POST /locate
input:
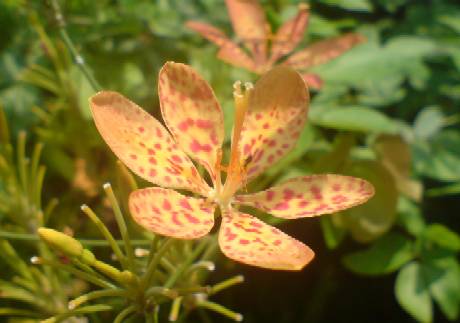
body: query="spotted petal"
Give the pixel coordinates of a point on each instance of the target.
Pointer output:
(171, 214)
(143, 144)
(192, 113)
(250, 25)
(323, 51)
(246, 239)
(276, 115)
(229, 52)
(290, 34)
(310, 196)
(313, 81)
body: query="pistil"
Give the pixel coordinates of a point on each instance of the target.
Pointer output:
(235, 169)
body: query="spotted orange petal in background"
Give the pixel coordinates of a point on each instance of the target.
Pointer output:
(323, 51)
(246, 239)
(169, 213)
(313, 80)
(275, 117)
(143, 144)
(250, 25)
(191, 112)
(290, 34)
(310, 196)
(229, 52)
(209, 32)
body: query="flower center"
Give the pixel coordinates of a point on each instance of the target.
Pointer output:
(236, 173)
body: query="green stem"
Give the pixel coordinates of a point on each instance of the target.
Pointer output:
(179, 271)
(121, 225)
(152, 266)
(124, 314)
(95, 295)
(79, 60)
(21, 159)
(80, 274)
(221, 309)
(107, 235)
(85, 242)
(175, 308)
(226, 284)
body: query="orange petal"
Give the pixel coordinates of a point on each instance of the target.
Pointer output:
(310, 196)
(313, 80)
(246, 239)
(143, 144)
(171, 214)
(250, 25)
(192, 113)
(290, 34)
(209, 32)
(323, 51)
(229, 52)
(232, 54)
(276, 115)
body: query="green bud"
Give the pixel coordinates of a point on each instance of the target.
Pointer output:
(62, 242)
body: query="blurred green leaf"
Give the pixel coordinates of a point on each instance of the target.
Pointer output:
(412, 292)
(359, 5)
(352, 119)
(443, 236)
(440, 157)
(410, 217)
(371, 220)
(386, 255)
(428, 122)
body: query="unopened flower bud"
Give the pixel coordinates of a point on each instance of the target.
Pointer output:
(62, 242)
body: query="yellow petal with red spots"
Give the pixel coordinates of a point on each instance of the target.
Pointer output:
(171, 214)
(246, 239)
(143, 144)
(310, 196)
(276, 115)
(192, 113)
(250, 25)
(323, 51)
(290, 34)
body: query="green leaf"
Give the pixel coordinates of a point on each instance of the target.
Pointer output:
(440, 157)
(412, 292)
(386, 255)
(371, 220)
(428, 122)
(352, 118)
(443, 236)
(333, 234)
(444, 277)
(410, 217)
(358, 5)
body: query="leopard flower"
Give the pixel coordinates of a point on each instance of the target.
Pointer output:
(265, 49)
(268, 120)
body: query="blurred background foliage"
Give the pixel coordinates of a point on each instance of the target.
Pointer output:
(389, 112)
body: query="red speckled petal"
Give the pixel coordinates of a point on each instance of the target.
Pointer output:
(171, 214)
(229, 52)
(313, 80)
(276, 115)
(323, 51)
(250, 25)
(290, 34)
(246, 239)
(143, 144)
(310, 196)
(192, 113)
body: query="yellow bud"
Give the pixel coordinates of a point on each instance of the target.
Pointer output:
(60, 241)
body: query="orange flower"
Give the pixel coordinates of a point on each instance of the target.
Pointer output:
(268, 120)
(264, 50)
